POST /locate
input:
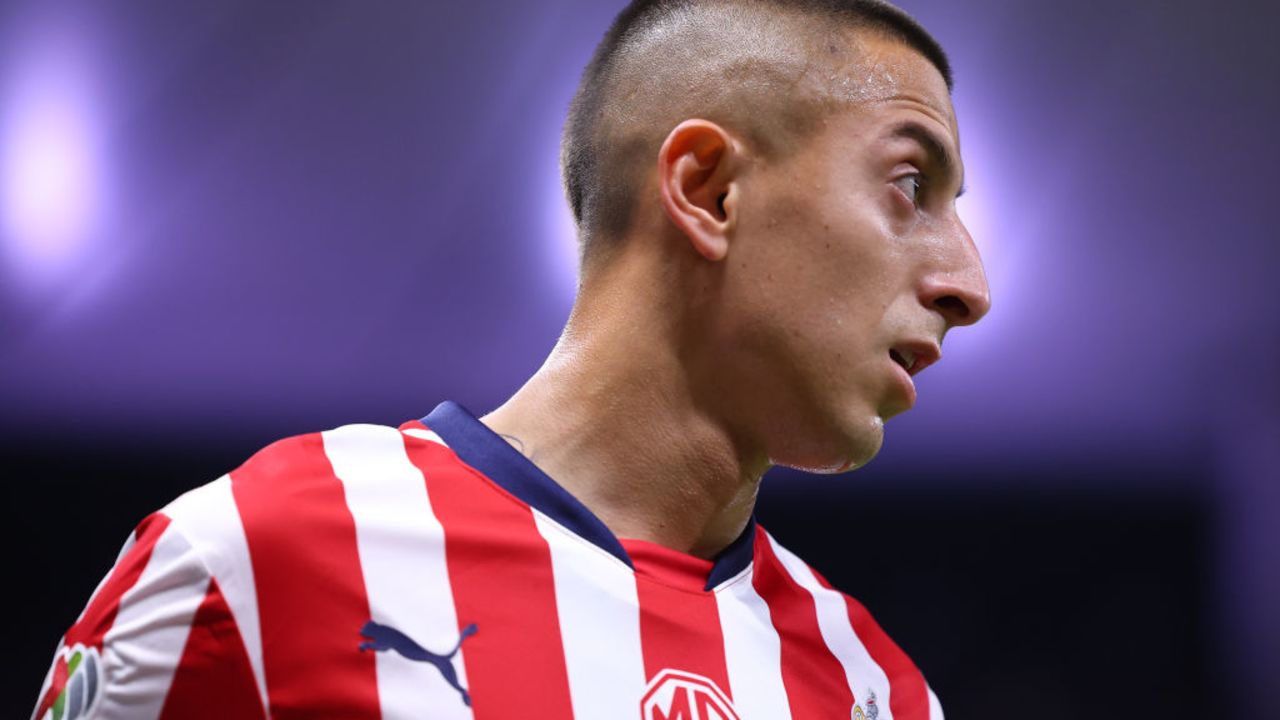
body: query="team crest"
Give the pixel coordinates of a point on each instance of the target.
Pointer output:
(75, 682)
(677, 695)
(872, 711)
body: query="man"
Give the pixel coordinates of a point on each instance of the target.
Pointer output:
(765, 195)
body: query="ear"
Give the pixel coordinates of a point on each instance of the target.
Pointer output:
(697, 174)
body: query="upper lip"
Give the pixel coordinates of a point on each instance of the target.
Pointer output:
(915, 355)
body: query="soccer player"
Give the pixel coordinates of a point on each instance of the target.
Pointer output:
(765, 196)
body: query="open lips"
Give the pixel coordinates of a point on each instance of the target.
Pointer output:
(914, 357)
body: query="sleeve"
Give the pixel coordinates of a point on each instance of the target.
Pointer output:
(155, 641)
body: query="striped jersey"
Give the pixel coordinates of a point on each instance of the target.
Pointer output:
(432, 571)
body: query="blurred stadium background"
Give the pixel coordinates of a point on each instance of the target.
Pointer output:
(222, 223)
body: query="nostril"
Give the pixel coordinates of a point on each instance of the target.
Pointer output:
(952, 306)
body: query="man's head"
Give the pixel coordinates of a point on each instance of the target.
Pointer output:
(768, 69)
(784, 174)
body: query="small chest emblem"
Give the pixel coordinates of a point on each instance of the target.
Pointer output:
(678, 695)
(871, 711)
(381, 638)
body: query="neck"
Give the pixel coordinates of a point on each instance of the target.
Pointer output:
(611, 417)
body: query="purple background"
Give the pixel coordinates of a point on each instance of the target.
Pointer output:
(225, 222)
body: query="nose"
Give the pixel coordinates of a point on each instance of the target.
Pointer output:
(957, 288)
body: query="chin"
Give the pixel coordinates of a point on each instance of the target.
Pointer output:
(843, 452)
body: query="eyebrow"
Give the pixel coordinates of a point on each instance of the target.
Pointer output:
(938, 152)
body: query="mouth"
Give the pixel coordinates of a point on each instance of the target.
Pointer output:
(914, 357)
(906, 389)
(904, 359)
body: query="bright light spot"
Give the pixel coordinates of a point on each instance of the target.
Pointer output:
(974, 207)
(976, 217)
(563, 241)
(51, 159)
(989, 210)
(560, 231)
(50, 193)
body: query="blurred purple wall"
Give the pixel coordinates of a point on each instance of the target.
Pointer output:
(241, 219)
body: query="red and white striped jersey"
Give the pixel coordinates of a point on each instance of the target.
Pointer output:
(432, 571)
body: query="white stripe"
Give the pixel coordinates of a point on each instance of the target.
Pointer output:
(935, 707)
(421, 434)
(210, 520)
(861, 672)
(599, 616)
(752, 652)
(142, 649)
(401, 547)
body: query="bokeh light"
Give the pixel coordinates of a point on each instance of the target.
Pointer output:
(53, 189)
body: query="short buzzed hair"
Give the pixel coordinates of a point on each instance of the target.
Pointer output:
(765, 68)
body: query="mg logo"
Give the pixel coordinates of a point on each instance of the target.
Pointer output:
(676, 695)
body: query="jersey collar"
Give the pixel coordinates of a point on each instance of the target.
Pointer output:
(486, 451)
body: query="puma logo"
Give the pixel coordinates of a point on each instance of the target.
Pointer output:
(383, 637)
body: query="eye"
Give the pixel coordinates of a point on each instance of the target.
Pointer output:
(911, 185)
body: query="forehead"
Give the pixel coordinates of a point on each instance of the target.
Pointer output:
(886, 76)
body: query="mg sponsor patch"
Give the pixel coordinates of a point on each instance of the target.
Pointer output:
(678, 695)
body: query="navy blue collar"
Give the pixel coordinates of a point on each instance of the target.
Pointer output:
(486, 451)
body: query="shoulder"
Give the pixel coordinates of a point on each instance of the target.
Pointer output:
(853, 635)
(298, 487)
(298, 471)
(162, 598)
(181, 614)
(800, 572)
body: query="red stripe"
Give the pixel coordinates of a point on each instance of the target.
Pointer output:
(214, 679)
(56, 685)
(679, 621)
(908, 695)
(311, 594)
(680, 630)
(814, 678)
(100, 614)
(500, 573)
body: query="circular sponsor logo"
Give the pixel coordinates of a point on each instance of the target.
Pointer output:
(74, 686)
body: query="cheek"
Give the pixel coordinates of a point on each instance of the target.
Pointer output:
(818, 266)
(853, 278)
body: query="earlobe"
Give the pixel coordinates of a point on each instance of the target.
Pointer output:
(697, 175)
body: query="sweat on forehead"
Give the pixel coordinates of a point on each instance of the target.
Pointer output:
(766, 70)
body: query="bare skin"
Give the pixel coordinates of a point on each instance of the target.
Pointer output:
(760, 312)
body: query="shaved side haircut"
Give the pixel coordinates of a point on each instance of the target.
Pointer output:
(768, 70)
